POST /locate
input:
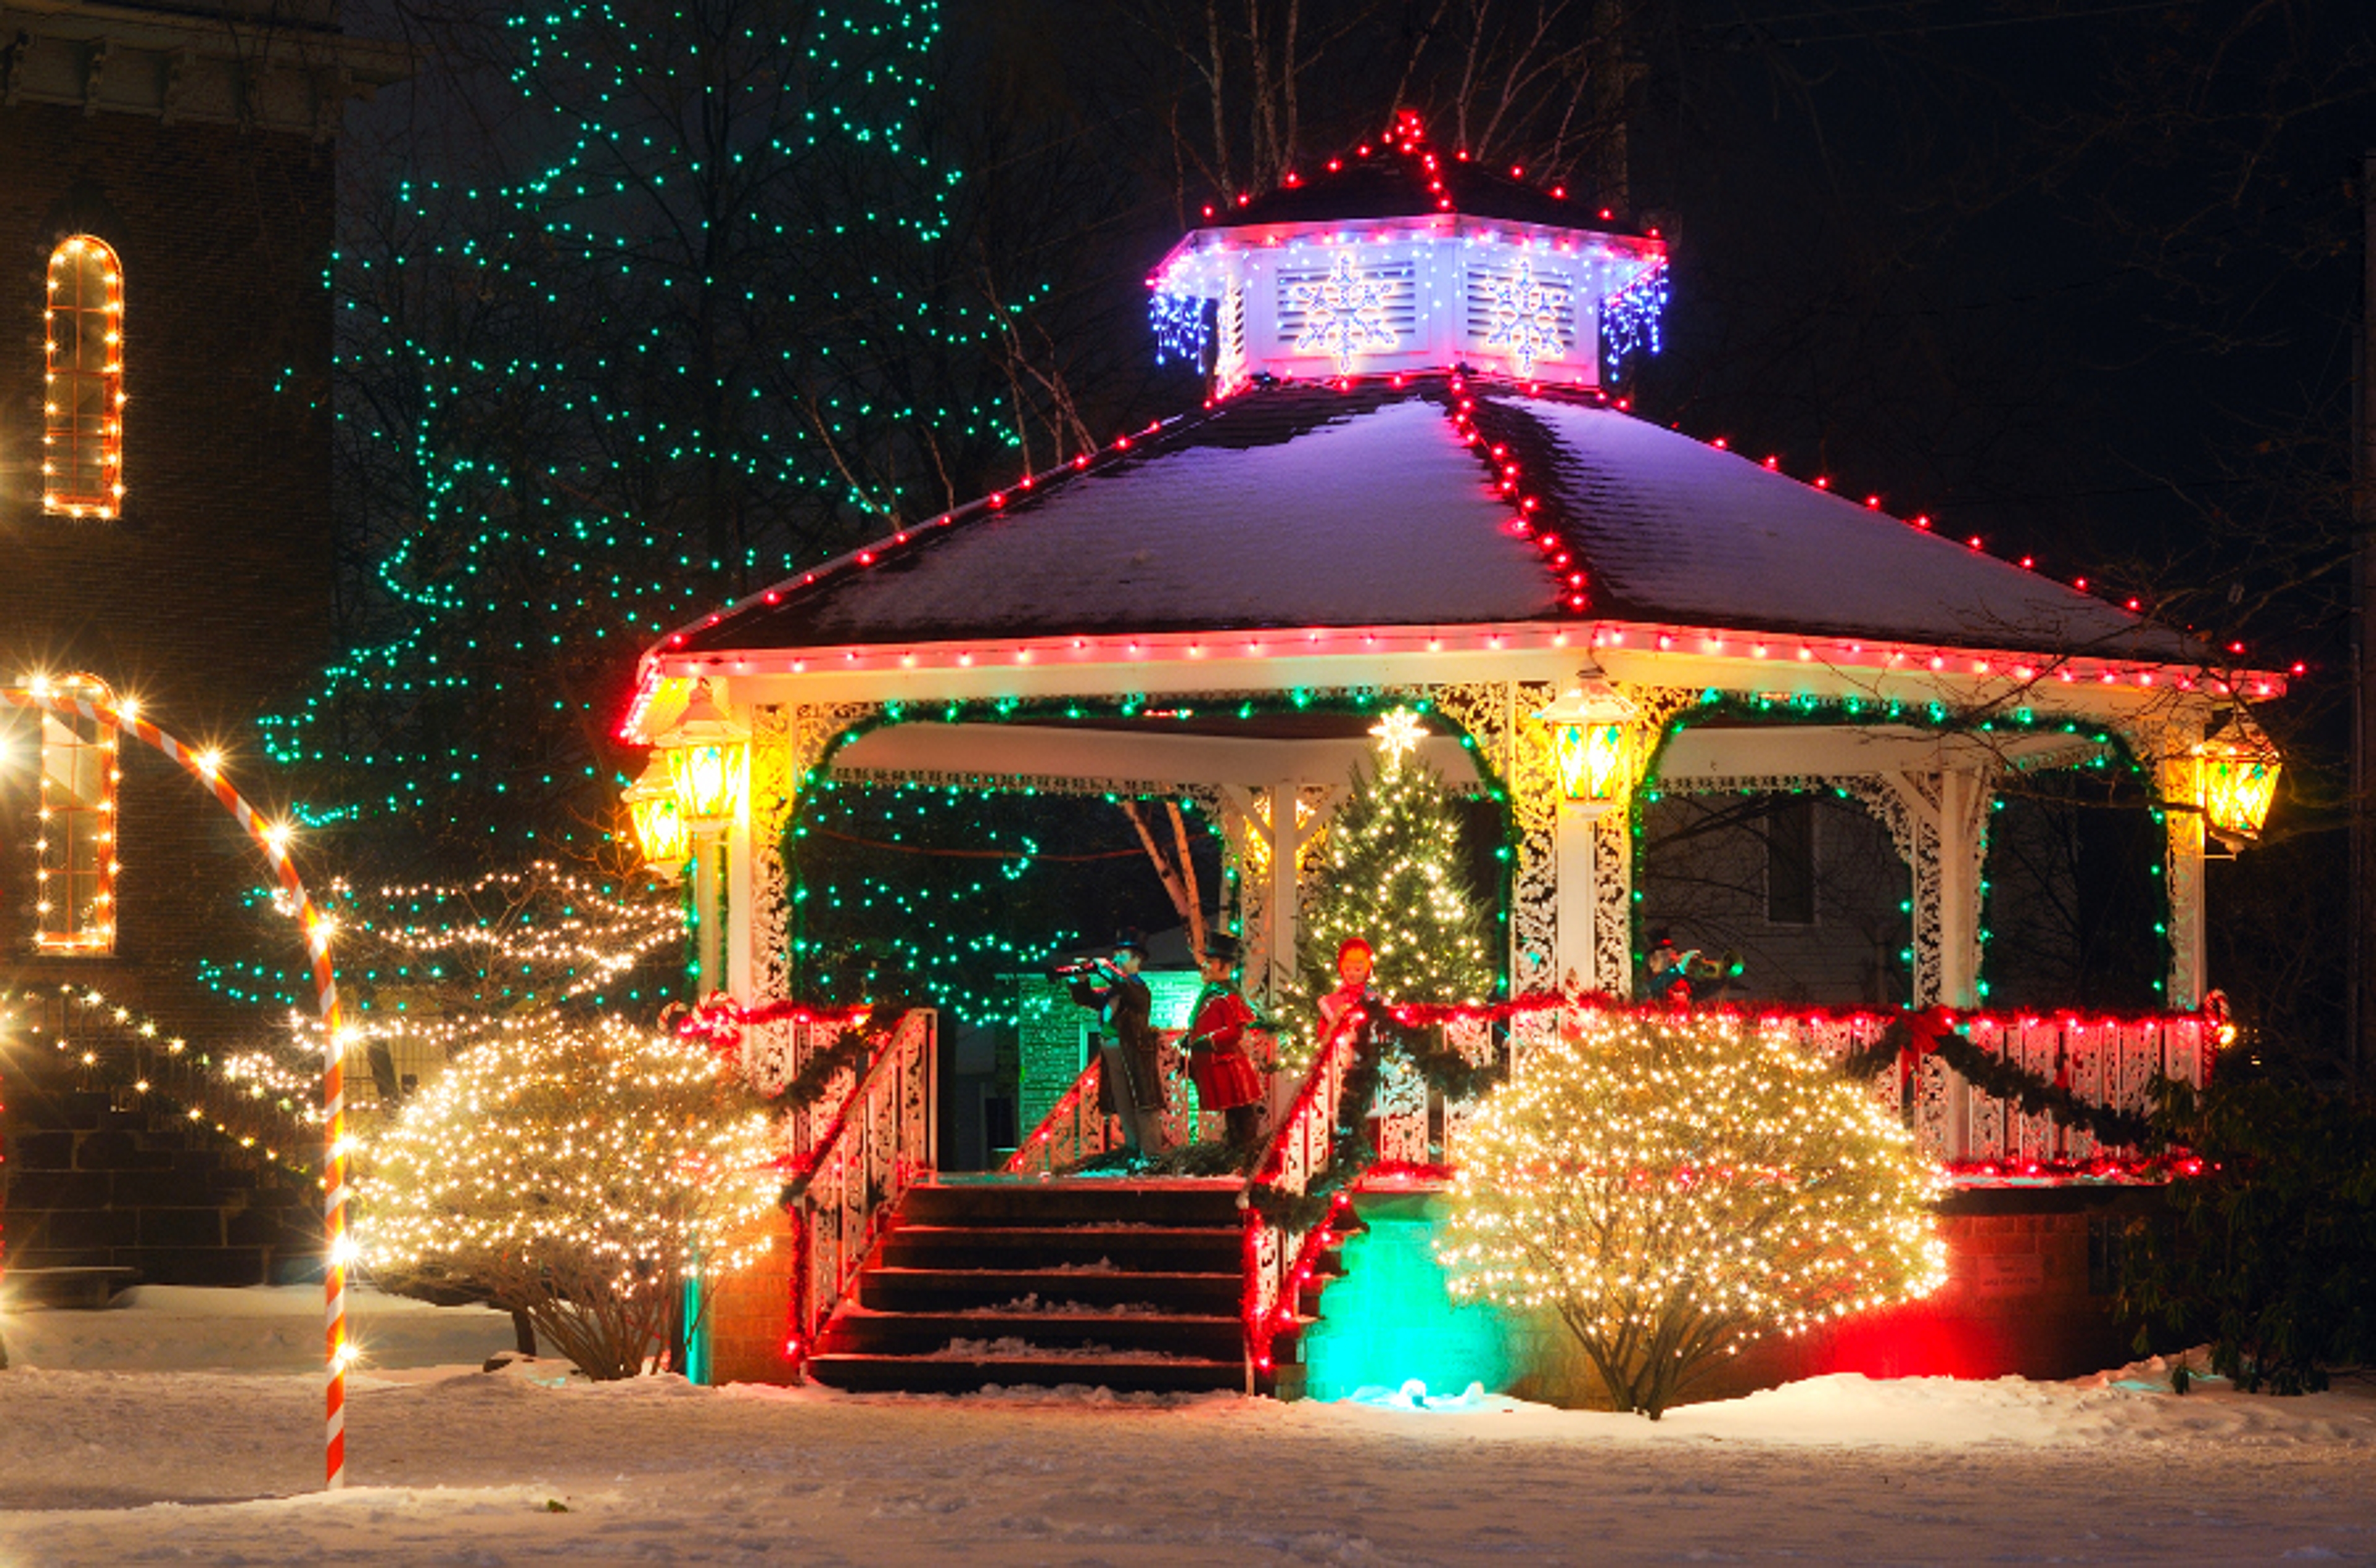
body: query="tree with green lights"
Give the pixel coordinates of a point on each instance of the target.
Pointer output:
(942, 897)
(699, 305)
(1390, 872)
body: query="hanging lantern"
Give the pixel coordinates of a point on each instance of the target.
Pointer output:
(1588, 724)
(2237, 773)
(708, 763)
(660, 831)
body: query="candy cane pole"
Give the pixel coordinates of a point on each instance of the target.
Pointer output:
(273, 840)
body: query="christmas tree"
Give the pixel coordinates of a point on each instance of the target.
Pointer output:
(686, 314)
(1674, 1187)
(1390, 872)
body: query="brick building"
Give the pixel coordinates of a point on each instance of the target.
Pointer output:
(166, 533)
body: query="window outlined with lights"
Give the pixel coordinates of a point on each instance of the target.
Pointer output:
(75, 896)
(83, 392)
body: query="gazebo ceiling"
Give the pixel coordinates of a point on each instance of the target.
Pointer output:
(1389, 504)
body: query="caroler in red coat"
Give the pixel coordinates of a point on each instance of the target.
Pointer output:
(1219, 1064)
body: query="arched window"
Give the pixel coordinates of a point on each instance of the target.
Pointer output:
(76, 901)
(82, 432)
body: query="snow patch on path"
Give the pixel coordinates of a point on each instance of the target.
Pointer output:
(264, 1328)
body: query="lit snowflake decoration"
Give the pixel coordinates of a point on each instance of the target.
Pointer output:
(1399, 733)
(1527, 317)
(1345, 314)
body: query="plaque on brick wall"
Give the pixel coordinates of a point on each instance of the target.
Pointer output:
(2017, 1274)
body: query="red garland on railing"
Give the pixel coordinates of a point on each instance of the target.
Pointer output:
(719, 1022)
(802, 1169)
(2212, 1012)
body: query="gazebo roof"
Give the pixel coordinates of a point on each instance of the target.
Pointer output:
(1437, 500)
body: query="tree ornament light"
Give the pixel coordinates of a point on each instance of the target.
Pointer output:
(1588, 741)
(1675, 1186)
(2237, 775)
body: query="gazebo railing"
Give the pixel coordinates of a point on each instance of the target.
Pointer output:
(880, 1141)
(2103, 1060)
(1076, 1128)
(1278, 1250)
(2111, 1062)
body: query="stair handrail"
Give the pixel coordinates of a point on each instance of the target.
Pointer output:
(1074, 1128)
(1278, 1255)
(1078, 1128)
(842, 1192)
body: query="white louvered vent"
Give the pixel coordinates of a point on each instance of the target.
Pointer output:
(1396, 314)
(1488, 295)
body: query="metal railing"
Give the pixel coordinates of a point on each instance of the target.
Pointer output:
(1076, 1128)
(2110, 1062)
(1278, 1253)
(860, 1158)
(267, 1117)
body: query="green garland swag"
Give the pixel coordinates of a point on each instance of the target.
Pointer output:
(846, 1054)
(2001, 1080)
(1350, 1153)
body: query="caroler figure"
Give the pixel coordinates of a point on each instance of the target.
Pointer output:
(1132, 1087)
(1353, 965)
(1218, 1063)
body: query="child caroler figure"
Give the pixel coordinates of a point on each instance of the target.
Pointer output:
(1352, 985)
(1219, 1064)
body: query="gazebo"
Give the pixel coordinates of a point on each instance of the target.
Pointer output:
(1415, 482)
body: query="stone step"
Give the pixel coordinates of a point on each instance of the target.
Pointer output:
(1198, 1249)
(1186, 1201)
(1212, 1336)
(919, 1374)
(954, 1290)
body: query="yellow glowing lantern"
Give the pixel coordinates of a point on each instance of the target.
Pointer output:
(1588, 741)
(660, 831)
(2236, 772)
(708, 763)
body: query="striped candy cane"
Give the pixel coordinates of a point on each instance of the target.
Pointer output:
(273, 840)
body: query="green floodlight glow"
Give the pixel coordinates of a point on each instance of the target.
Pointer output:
(1390, 1319)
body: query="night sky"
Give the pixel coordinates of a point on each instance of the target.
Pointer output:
(2079, 276)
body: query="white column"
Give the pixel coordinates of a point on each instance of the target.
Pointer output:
(2182, 876)
(1286, 846)
(709, 955)
(1963, 805)
(734, 919)
(1576, 959)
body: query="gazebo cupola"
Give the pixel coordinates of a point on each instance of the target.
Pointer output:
(1399, 258)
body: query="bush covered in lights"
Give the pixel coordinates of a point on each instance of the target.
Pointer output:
(1675, 1187)
(577, 1171)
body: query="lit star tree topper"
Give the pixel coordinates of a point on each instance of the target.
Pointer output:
(1392, 871)
(1345, 314)
(1399, 733)
(1527, 314)
(1674, 1186)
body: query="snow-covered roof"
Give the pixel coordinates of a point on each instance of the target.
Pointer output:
(1441, 500)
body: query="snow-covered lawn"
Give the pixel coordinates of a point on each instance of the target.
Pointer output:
(165, 1462)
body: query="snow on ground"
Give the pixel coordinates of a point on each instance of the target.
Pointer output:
(264, 1328)
(454, 1466)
